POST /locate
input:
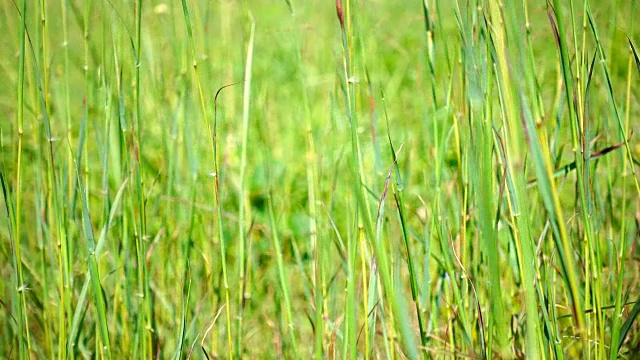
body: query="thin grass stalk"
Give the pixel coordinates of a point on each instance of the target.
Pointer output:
(349, 350)
(399, 199)
(312, 186)
(186, 293)
(321, 250)
(189, 245)
(616, 323)
(128, 216)
(43, 46)
(555, 337)
(582, 138)
(487, 209)
(47, 151)
(483, 174)
(365, 298)
(538, 145)
(519, 215)
(63, 252)
(458, 309)
(282, 275)
(368, 261)
(462, 151)
(581, 135)
(79, 306)
(141, 236)
(612, 101)
(55, 200)
(242, 197)
(98, 294)
(538, 104)
(376, 294)
(565, 247)
(107, 125)
(400, 205)
(83, 172)
(42, 238)
(487, 131)
(17, 294)
(430, 50)
(212, 131)
(397, 305)
(468, 251)
(24, 341)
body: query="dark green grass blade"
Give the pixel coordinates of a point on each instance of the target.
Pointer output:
(626, 327)
(635, 55)
(186, 295)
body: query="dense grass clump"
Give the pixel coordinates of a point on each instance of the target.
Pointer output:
(317, 179)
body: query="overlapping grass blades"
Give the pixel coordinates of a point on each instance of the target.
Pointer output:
(238, 179)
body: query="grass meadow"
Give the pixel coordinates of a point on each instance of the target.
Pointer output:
(352, 179)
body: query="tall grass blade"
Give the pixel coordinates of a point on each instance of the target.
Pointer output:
(98, 293)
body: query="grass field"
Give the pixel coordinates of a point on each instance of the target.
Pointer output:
(356, 179)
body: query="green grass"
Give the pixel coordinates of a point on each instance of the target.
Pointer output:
(310, 179)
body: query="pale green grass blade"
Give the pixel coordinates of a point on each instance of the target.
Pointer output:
(242, 225)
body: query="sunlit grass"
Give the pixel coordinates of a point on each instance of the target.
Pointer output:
(312, 179)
